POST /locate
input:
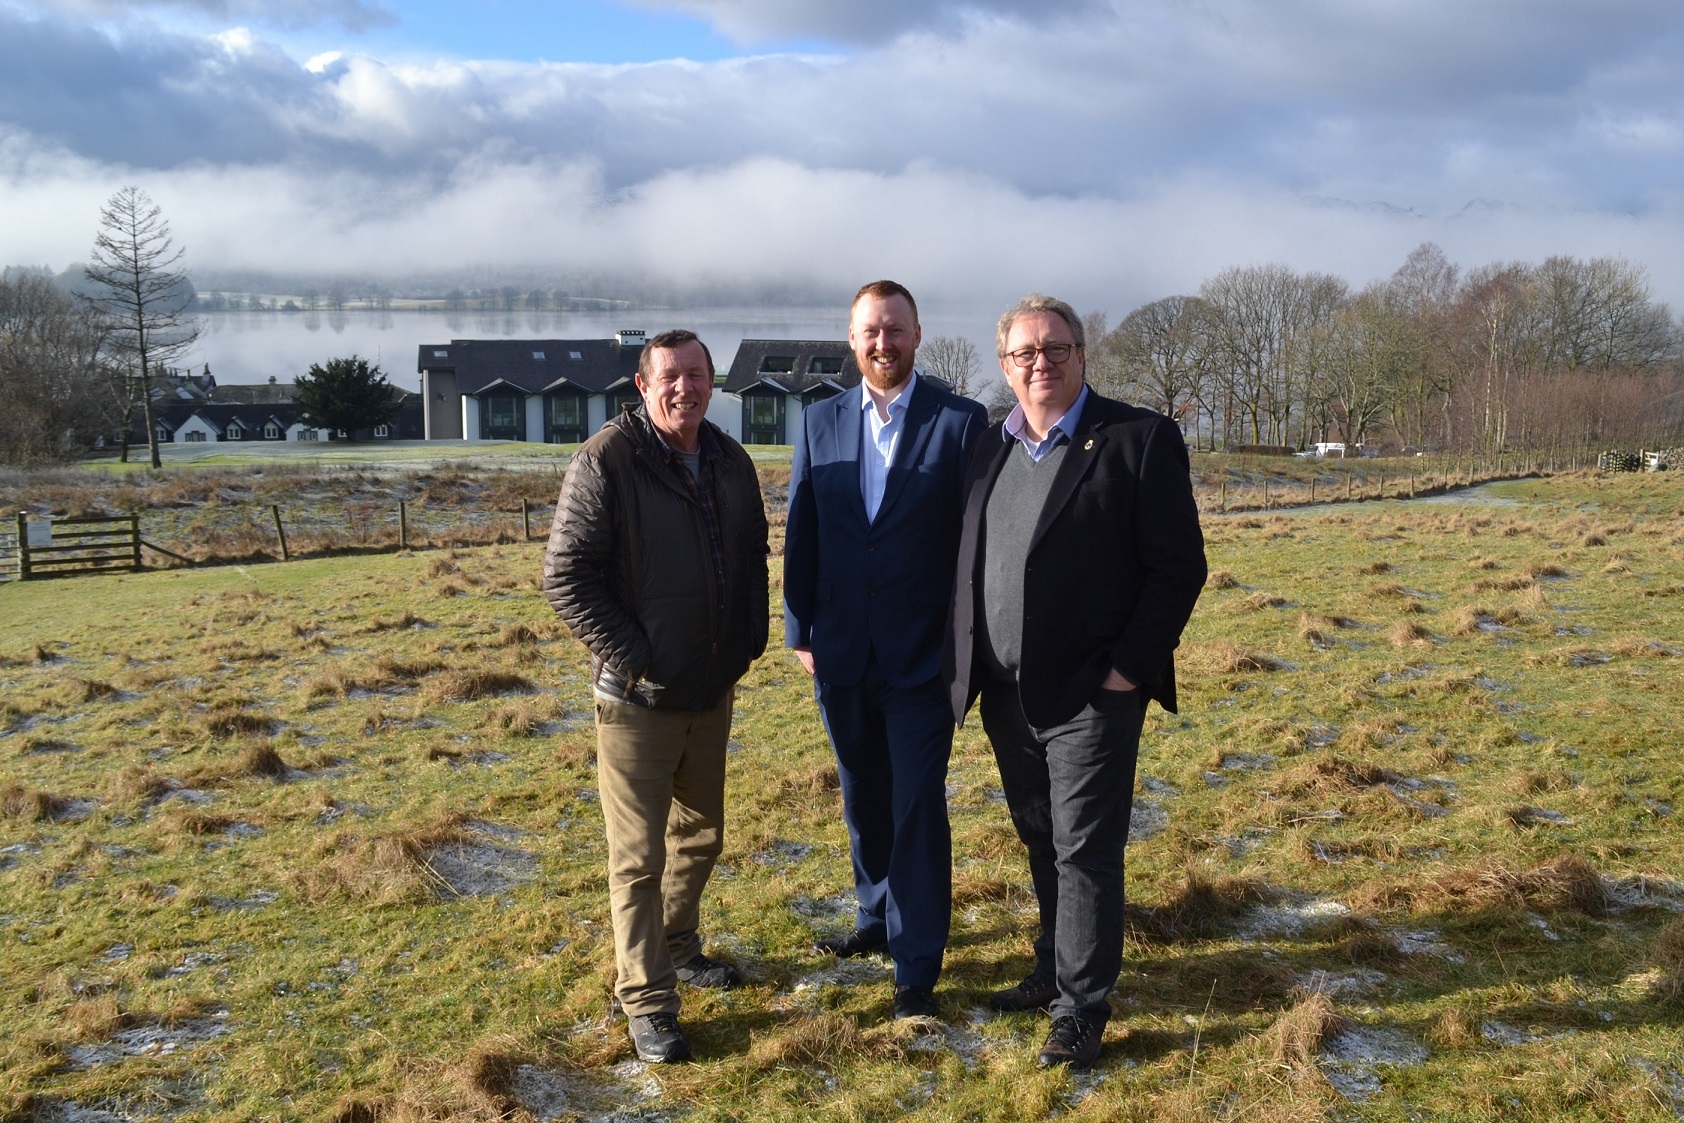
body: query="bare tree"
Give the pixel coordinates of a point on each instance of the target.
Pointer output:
(142, 296)
(951, 358)
(50, 370)
(1162, 356)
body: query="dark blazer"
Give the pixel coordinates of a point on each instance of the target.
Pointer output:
(1116, 562)
(852, 587)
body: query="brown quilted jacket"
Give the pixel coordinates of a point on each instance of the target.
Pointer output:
(629, 572)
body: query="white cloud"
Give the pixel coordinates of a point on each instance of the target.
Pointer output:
(1114, 154)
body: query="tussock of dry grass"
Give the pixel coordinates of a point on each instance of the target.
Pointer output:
(1203, 907)
(1221, 579)
(78, 691)
(1257, 602)
(1374, 569)
(134, 783)
(1229, 659)
(384, 869)
(18, 801)
(1407, 633)
(1330, 776)
(405, 619)
(1456, 1029)
(514, 634)
(823, 1040)
(232, 720)
(521, 718)
(471, 686)
(1566, 883)
(1297, 1036)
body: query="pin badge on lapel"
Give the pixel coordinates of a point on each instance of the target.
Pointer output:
(1088, 445)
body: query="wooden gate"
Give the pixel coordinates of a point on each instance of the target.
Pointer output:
(73, 547)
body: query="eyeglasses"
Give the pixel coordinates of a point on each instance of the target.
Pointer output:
(1024, 357)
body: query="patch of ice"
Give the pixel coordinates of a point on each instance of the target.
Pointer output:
(1348, 1059)
(824, 908)
(1644, 891)
(148, 1040)
(1356, 983)
(1155, 786)
(1501, 1033)
(782, 853)
(1146, 820)
(1426, 943)
(1247, 762)
(471, 869)
(1290, 919)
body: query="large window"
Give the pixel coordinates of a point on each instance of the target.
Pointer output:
(500, 417)
(564, 418)
(763, 418)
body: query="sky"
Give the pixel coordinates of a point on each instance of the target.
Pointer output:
(1107, 151)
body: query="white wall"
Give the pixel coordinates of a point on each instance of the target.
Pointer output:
(535, 418)
(470, 418)
(726, 411)
(197, 424)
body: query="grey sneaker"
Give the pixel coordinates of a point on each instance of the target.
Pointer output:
(658, 1040)
(711, 973)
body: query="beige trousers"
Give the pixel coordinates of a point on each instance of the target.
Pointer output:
(661, 776)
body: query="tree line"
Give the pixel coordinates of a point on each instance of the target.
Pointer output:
(1567, 354)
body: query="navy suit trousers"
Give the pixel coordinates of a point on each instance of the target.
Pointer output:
(892, 745)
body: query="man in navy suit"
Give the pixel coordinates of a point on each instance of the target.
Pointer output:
(869, 555)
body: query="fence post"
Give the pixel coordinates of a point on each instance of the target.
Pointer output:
(525, 521)
(1224, 500)
(403, 525)
(134, 535)
(23, 547)
(1312, 491)
(1266, 503)
(280, 533)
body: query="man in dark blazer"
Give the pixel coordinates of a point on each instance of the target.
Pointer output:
(1080, 560)
(872, 534)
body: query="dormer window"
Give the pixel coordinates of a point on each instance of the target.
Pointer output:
(271, 432)
(824, 365)
(235, 433)
(777, 364)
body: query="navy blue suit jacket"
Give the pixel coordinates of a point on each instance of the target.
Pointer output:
(853, 588)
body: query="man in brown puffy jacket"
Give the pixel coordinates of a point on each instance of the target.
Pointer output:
(657, 563)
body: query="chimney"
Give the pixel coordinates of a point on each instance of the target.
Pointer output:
(271, 380)
(629, 337)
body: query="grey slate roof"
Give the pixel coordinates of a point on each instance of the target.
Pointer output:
(805, 360)
(479, 363)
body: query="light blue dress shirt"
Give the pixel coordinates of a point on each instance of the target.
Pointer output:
(877, 450)
(1064, 426)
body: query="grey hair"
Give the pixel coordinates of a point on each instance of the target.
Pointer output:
(1028, 306)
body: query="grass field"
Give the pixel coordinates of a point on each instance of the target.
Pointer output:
(321, 841)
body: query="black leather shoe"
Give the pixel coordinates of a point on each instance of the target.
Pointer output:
(1073, 1043)
(1034, 993)
(658, 1040)
(914, 1002)
(711, 973)
(857, 942)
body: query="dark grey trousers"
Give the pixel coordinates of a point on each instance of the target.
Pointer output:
(1070, 789)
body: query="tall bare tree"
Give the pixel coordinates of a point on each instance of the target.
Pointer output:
(951, 358)
(142, 295)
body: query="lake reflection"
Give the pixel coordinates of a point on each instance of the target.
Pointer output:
(248, 347)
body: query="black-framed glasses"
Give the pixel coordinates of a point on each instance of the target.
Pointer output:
(1024, 357)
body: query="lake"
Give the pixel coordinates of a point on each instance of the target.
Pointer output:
(253, 347)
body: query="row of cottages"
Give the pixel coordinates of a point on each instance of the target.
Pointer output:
(560, 391)
(193, 409)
